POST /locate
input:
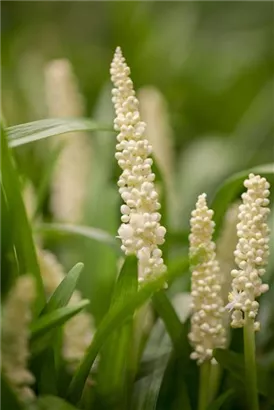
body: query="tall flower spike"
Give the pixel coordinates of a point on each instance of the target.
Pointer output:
(207, 330)
(140, 231)
(251, 252)
(15, 337)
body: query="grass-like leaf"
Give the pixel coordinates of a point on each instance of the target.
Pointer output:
(53, 403)
(114, 319)
(19, 227)
(80, 230)
(64, 291)
(234, 363)
(217, 403)
(114, 377)
(55, 318)
(232, 186)
(8, 397)
(34, 131)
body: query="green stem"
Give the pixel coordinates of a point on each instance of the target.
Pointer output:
(215, 378)
(250, 365)
(204, 385)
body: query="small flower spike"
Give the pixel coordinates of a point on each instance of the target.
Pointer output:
(140, 231)
(251, 252)
(16, 319)
(207, 329)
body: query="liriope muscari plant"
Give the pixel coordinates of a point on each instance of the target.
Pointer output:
(15, 353)
(140, 231)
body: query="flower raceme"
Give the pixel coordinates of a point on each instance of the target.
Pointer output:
(251, 252)
(140, 231)
(207, 329)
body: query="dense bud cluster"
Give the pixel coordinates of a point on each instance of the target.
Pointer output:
(140, 231)
(207, 329)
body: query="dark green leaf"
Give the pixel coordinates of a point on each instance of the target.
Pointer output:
(234, 363)
(34, 131)
(54, 319)
(9, 400)
(64, 291)
(18, 224)
(217, 404)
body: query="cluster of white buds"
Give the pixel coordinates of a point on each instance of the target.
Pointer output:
(140, 231)
(251, 252)
(207, 328)
(16, 318)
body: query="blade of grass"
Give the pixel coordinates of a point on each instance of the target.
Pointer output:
(64, 291)
(34, 131)
(81, 230)
(115, 318)
(53, 403)
(19, 224)
(54, 319)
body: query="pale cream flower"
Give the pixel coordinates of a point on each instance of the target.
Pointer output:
(72, 171)
(140, 231)
(16, 318)
(78, 331)
(207, 328)
(251, 253)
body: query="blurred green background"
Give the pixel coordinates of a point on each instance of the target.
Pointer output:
(212, 62)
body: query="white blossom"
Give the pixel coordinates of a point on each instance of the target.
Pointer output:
(140, 231)
(207, 329)
(72, 170)
(16, 318)
(251, 252)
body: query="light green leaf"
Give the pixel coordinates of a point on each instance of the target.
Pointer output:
(34, 131)
(64, 291)
(217, 403)
(53, 403)
(20, 230)
(114, 319)
(54, 319)
(232, 186)
(81, 230)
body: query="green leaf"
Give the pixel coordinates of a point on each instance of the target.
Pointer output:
(217, 404)
(115, 376)
(20, 229)
(54, 319)
(53, 403)
(64, 291)
(115, 318)
(170, 318)
(231, 187)
(8, 397)
(81, 230)
(234, 363)
(34, 131)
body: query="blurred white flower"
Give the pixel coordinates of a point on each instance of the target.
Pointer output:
(71, 173)
(251, 253)
(207, 328)
(140, 231)
(78, 331)
(16, 318)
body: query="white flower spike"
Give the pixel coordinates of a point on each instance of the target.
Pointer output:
(207, 328)
(251, 252)
(140, 231)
